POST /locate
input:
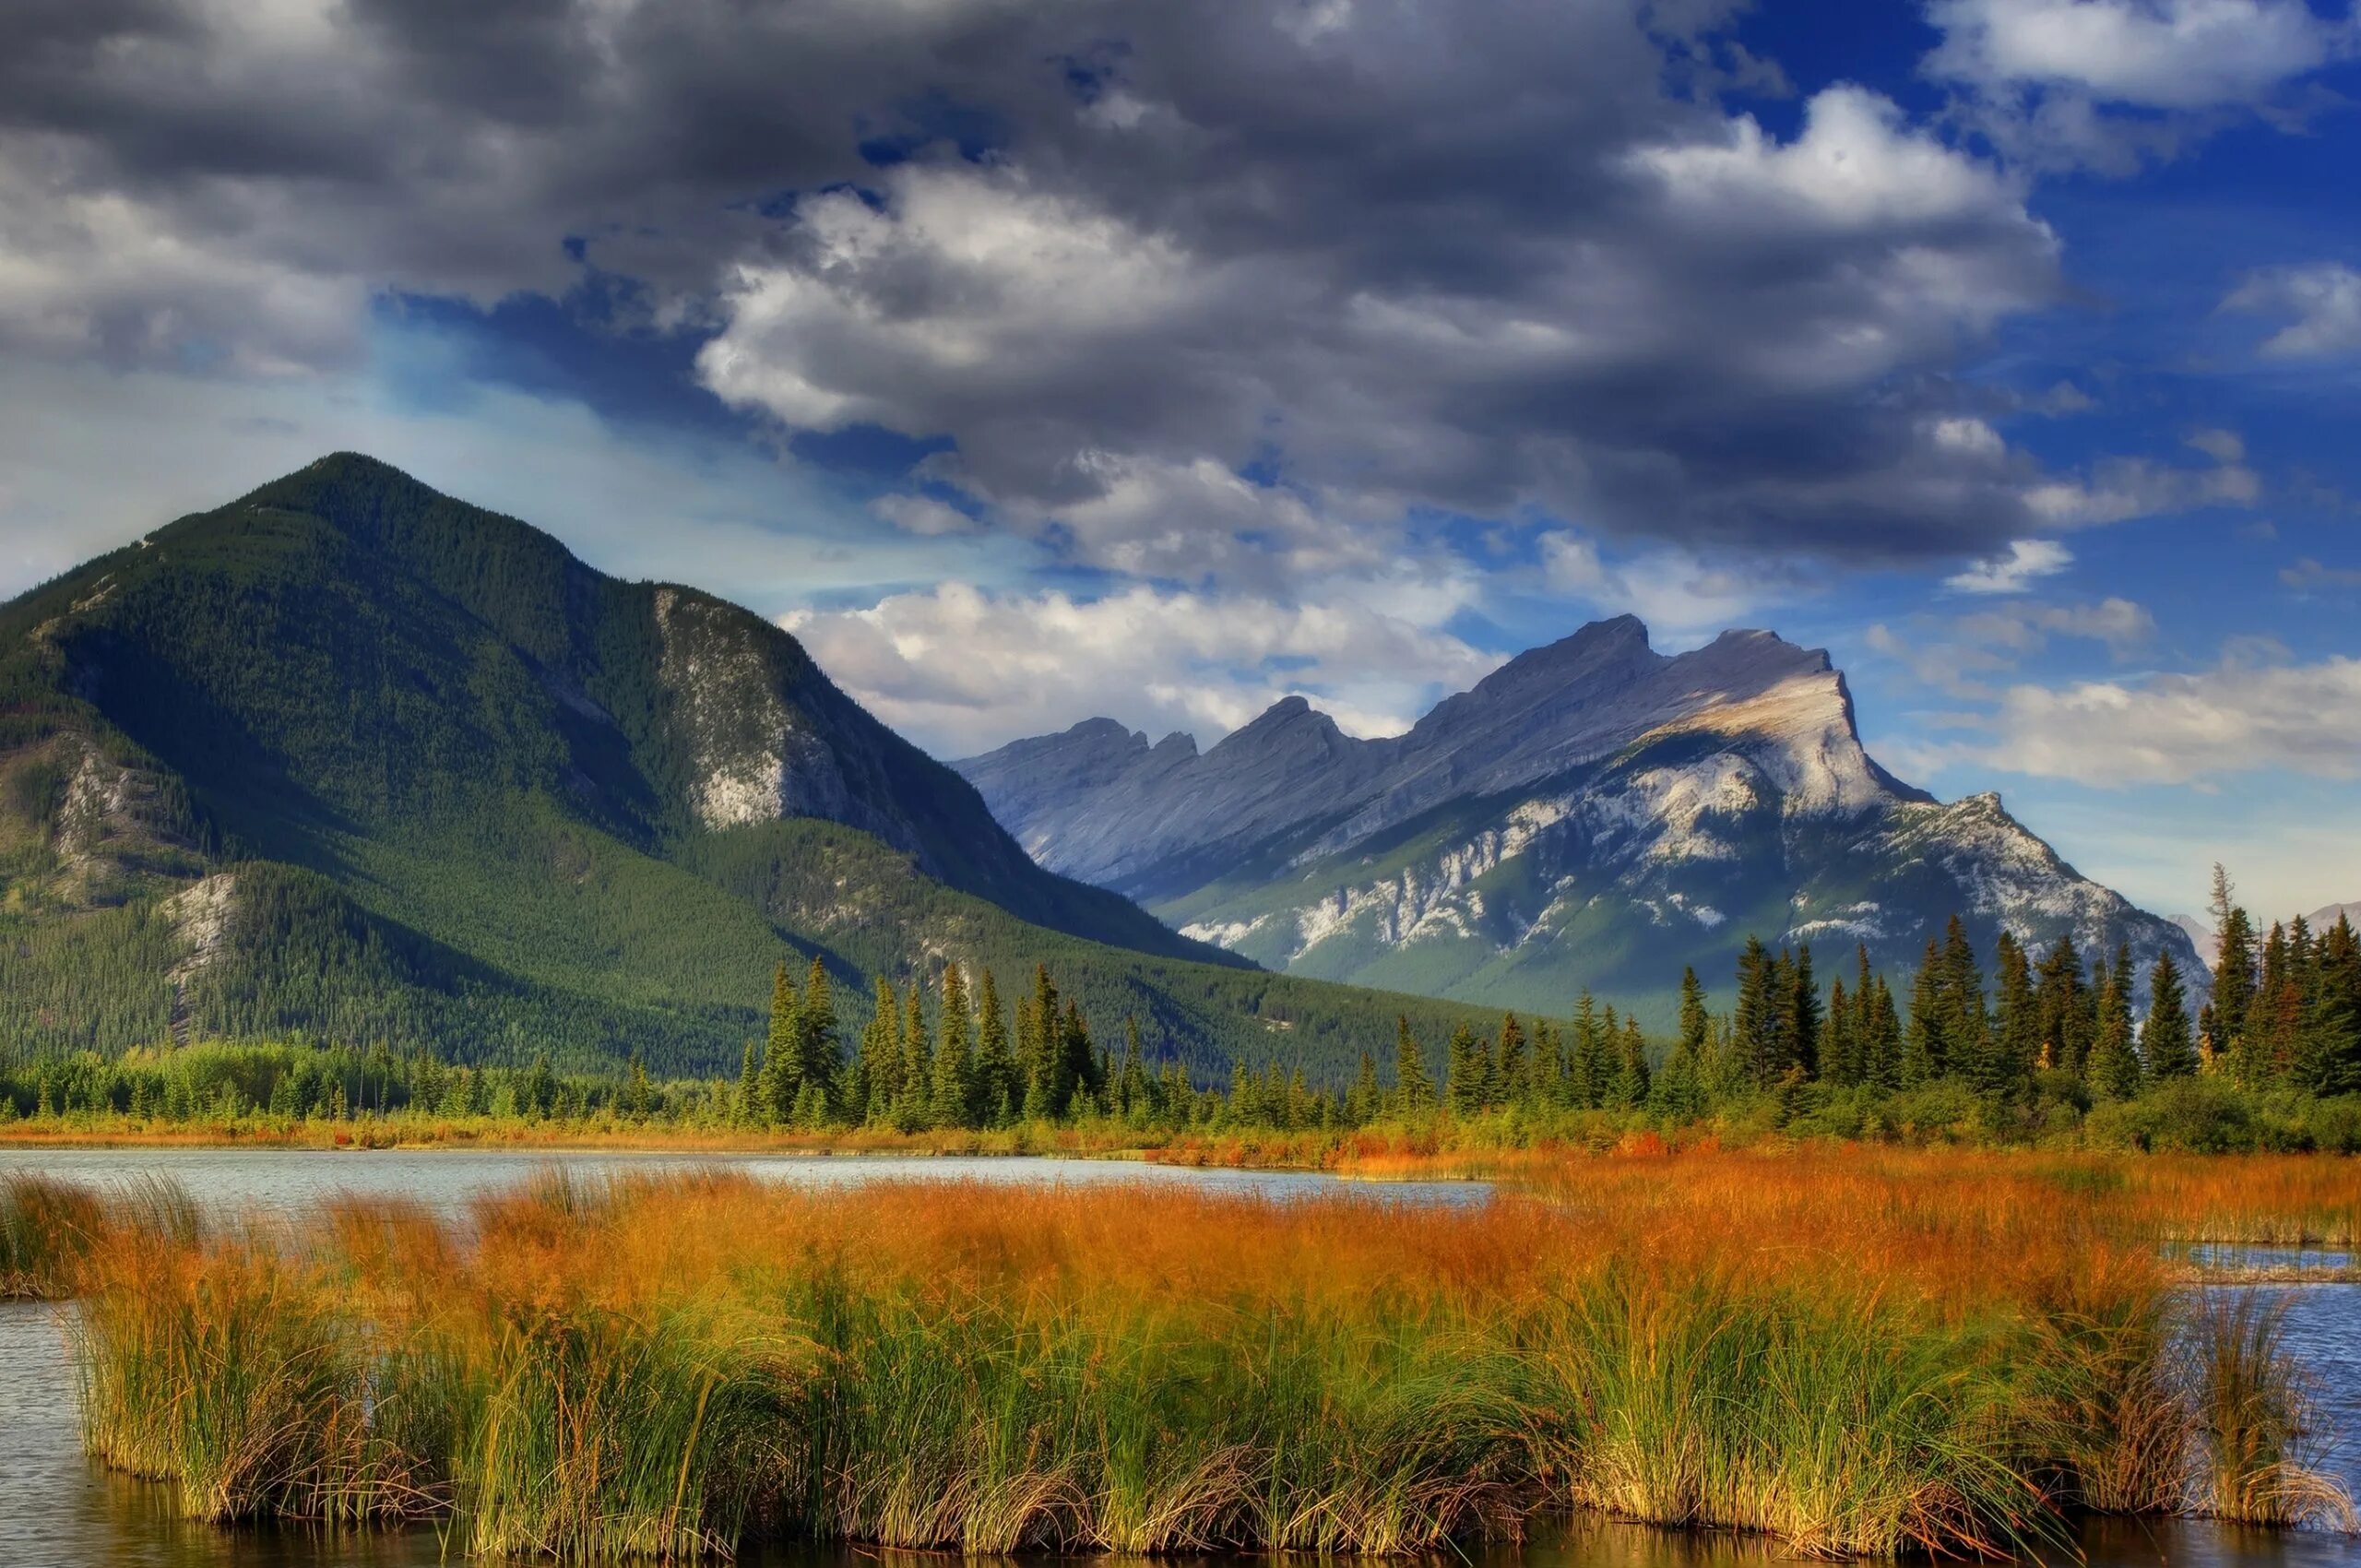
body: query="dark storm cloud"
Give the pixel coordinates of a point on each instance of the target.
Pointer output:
(1490, 259)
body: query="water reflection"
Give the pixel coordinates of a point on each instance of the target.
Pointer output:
(297, 1181)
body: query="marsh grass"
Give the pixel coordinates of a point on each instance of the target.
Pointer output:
(2260, 1428)
(1861, 1359)
(47, 1226)
(1838, 1424)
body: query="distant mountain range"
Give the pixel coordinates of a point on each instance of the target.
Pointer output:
(350, 758)
(2201, 929)
(1592, 814)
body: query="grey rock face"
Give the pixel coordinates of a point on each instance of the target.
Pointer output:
(1594, 812)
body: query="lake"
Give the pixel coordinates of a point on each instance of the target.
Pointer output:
(58, 1509)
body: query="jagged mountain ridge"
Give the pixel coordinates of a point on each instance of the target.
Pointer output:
(1594, 812)
(351, 757)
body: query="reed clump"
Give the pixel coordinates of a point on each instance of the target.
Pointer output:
(1858, 1358)
(46, 1228)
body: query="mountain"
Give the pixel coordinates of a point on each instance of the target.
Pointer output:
(2322, 919)
(1592, 814)
(350, 757)
(2201, 935)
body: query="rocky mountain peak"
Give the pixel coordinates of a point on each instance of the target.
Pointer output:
(1290, 724)
(1593, 813)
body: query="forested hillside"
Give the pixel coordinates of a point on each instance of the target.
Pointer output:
(351, 760)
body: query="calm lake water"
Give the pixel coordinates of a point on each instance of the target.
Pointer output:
(59, 1511)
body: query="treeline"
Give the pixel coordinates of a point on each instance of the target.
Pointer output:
(958, 1061)
(289, 1083)
(2041, 1047)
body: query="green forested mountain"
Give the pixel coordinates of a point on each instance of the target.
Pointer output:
(349, 758)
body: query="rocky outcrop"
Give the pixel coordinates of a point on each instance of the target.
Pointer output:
(1594, 812)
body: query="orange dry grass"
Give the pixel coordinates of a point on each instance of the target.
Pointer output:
(1660, 1333)
(1960, 1235)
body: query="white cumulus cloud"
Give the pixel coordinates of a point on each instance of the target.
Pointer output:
(2158, 53)
(2027, 561)
(2183, 728)
(962, 670)
(2321, 304)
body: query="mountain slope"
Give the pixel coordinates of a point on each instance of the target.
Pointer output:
(1592, 814)
(349, 756)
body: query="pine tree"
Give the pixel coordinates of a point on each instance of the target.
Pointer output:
(1963, 1024)
(1881, 1038)
(1799, 1018)
(1463, 1078)
(1510, 1067)
(1922, 1039)
(781, 1074)
(2164, 1040)
(1840, 1056)
(1586, 1069)
(913, 1106)
(2234, 960)
(1414, 1092)
(1130, 1087)
(1753, 1023)
(1678, 1091)
(1630, 1090)
(2062, 1010)
(2263, 1039)
(2330, 1061)
(2114, 1066)
(997, 1079)
(1548, 1064)
(816, 1048)
(953, 1103)
(2016, 1022)
(750, 1085)
(881, 1056)
(1692, 1013)
(1362, 1100)
(1081, 1072)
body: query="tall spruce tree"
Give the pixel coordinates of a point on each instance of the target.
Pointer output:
(1463, 1088)
(749, 1108)
(1799, 1018)
(2016, 1021)
(2165, 1040)
(1631, 1079)
(1362, 1100)
(996, 1075)
(1922, 1041)
(2330, 1061)
(782, 1064)
(1414, 1092)
(816, 1048)
(2114, 1066)
(1754, 1021)
(2063, 1007)
(1881, 1037)
(953, 1100)
(916, 1103)
(881, 1055)
(1510, 1066)
(2234, 961)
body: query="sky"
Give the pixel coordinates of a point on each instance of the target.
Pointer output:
(1039, 361)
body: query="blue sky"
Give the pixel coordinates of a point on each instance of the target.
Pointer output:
(1034, 362)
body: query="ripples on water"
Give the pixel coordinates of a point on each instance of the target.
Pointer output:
(57, 1510)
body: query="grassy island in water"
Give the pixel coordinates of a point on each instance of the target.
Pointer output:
(1861, 1353)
